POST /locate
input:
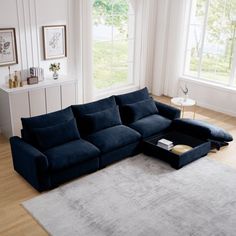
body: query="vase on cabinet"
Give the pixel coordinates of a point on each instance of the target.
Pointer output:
(55, 75)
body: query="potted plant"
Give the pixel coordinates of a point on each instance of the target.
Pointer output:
(55, 67)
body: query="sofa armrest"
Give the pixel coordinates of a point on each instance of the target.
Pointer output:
(168, 111)
(30, 163)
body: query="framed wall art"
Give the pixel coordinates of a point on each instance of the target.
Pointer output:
(8, 49)
(54, 41)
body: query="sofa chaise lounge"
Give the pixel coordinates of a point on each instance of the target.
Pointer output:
(63, 145)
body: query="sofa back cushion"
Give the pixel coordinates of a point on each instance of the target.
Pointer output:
(56, 135)
(101, 120)
(132, 97)
(136, 111)
(42, 121)
(89, 108)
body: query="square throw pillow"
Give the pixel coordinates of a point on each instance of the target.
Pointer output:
(101, 120)
(136, 111)
(56, 135)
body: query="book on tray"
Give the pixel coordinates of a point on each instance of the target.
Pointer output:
(165, 144)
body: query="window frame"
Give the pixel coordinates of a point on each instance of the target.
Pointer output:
(130, 80)
(231, 82)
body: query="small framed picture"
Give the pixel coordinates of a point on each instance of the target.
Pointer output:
(54, 41)
(8, 50)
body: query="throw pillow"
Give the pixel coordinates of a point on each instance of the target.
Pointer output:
(56, 135)
(101, 120)
(138, 110)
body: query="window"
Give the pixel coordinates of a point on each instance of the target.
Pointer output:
(210, 49)
(113, 43)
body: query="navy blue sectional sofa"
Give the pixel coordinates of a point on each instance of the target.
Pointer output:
(81, 139)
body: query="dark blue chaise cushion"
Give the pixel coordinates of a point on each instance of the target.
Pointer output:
(113, 138)
(151, 125)
(101, 120)
(52, 136)
(132, 97)
(136, 111)
(202, 129)
(42, 121)
(70, 153)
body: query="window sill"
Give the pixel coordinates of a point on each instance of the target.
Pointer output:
(209, 84)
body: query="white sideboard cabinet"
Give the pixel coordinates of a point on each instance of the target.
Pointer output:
(32, 100)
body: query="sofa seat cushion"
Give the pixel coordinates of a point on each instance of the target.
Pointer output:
(71, 153)
(151, 125)
(113, 138)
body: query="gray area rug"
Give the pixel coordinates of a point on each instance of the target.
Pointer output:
(142, 196)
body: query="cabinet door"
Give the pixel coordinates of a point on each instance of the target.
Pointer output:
(68, 94)
(19, 108)
(37, 102)
(53, 98)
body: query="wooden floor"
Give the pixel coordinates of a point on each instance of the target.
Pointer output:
(14, 220)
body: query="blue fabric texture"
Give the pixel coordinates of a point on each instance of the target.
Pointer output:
(113, 138)
(43, 121)
(119, 154)
(74, 171)
(167, 111)
(71, 153)
(136, 111)
(30, 163)
(100, 105)
(96, 121)
(52, 136)
(132, 97)
(151, 125)
(81, 110)
(202, 129)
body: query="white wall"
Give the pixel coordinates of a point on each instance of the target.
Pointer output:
(211, 96)
(28, 17)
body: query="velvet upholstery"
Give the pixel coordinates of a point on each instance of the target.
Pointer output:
(167, 111)
(132, 97)
(202, 129)
(119, 154)
(81, 110)
(43, 121)
(151, 125)
(136, 111)
(74, 171)
(96, 121)
(64, 155)
(30, 163)
(70, 153)
(87, 108)
(113, 138)
(52, 136)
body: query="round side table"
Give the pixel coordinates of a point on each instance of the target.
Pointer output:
(184, 102)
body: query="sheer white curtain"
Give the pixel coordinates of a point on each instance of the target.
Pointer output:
(145, 12)
(171, 25)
